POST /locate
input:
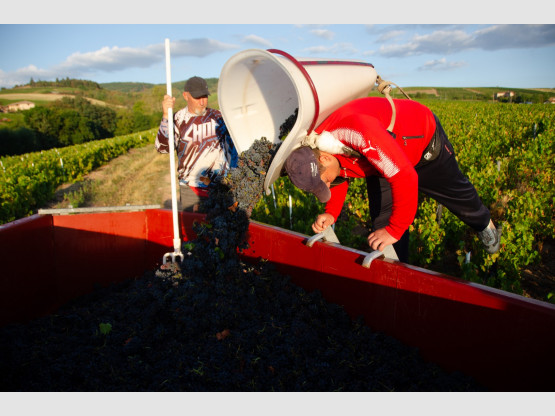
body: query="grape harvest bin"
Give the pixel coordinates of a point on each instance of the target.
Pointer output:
(505, 341)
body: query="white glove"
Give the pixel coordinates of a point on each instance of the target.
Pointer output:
(330, 144)
(327, 143)
(311, 140)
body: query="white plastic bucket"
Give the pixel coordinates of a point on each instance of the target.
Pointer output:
(259, 90)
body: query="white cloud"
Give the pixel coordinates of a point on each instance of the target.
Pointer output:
(515, 36)
(335, 49)
(110, 59)
(323, 33)
(441, 65)
(390, 35)
(438, 42)
(23, 76)
(495, 37)
(113, 59)
(257, 40)
(368, 53)
(199, 47)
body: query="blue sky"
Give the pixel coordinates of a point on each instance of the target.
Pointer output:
(517, 51)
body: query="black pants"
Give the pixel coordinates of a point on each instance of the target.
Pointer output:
(440, 179)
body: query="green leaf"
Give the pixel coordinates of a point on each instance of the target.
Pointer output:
(105, 328)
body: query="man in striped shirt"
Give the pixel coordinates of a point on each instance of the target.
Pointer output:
(203, 145)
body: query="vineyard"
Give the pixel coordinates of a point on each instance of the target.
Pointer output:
(507, 151)
(29, 181)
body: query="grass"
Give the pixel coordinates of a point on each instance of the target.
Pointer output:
(140, 177)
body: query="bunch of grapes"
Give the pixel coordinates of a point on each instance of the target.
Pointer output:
(286, 127)
(228, 208)
(246, 182)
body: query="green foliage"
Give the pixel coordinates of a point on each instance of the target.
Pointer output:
(274, 209)
(105, 328)
(126, 86)
(27, 182)
(78, 198)
(507, 151)
(483, 94)
(73, 121)
(67, 82)
(68, 122)
(22, 140)
(306, 207)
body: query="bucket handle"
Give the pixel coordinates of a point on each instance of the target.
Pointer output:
(310, 83)
(300, 66)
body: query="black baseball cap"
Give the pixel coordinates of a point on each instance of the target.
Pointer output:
(197, 87)
(302, 168)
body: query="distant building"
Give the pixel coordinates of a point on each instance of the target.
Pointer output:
(19, 106)
(506, 94)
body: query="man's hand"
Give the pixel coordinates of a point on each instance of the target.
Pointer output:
(322, 222)
(380, 239)
(167, 103)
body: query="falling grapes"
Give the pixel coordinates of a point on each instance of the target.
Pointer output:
(228, 209)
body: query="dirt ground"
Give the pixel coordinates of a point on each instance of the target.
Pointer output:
(431, 91)
(140, 177)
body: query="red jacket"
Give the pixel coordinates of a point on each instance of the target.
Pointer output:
(362, 126)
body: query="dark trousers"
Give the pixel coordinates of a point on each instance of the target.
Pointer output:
(440, 179)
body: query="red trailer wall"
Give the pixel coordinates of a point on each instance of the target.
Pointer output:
(505, 341)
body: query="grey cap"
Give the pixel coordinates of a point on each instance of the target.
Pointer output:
(197, 87)
(302, 168)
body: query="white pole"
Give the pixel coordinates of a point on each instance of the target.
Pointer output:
(290, 212)
(274, 196)
(171, 139)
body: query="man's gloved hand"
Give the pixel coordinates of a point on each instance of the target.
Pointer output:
(327, 143)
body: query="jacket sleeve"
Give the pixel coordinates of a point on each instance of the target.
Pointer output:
(338, 195)
(161, 143)
(366, 135)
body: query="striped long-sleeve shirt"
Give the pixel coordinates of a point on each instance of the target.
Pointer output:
(203, 146)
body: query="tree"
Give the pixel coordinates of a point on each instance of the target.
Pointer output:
(124, 124)
(39, 119)
(17, 141)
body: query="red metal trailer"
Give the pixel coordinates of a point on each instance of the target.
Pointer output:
(504, 341)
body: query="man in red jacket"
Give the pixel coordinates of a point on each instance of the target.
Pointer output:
(354, 142)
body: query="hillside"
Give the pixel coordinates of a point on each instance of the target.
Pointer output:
(149, 96)
(143, 86)
(476, 94)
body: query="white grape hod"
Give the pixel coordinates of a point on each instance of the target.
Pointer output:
(259, 90)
